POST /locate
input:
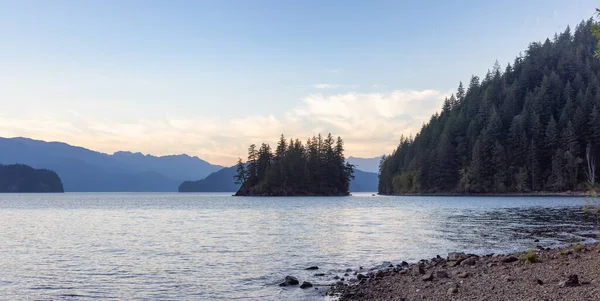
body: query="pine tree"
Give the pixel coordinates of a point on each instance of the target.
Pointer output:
(240, 174)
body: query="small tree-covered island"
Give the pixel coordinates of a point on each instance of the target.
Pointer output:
(23, 178)
(318, 168)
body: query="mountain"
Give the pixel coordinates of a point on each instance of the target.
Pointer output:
(365, 164)
(364, 181)
(85, 170)
(222, 181)
(23, 178)
(176, 167)
(534, 126)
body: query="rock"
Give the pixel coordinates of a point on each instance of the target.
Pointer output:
(314, 267)
(453, 263)
(538, 281)
(536, 240)
(584, 282)
(418, 270)
(463, 275)
(346, 275)
(456, 256)
(360, 268)
(510, 259)
(571, 281)
(306, 284)
(469, 261)
(379, 274)
(404, 264)
(427, 277)
(492, 264)
(361, 277)
(342, 279)
(508, 279)
(336, 277)
(452, 291)
(348, 270)
(404, 271)
(319, 274)
(340, 283)
(289, 280)
(441, 274)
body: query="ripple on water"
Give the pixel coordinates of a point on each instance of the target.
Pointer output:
(218, 247)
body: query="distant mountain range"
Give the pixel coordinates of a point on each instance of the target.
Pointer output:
(85, 170)
(366, 164)
(222, 181)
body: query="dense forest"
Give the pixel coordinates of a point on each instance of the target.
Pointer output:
(23, 178)
(317, 168)
(532, 126)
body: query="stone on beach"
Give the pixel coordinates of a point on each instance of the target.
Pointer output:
(289, 280)
(306, 284)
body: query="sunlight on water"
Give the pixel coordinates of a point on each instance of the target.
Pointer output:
(214, 246)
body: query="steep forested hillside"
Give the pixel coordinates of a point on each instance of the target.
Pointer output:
(23, 178)
(531, 126)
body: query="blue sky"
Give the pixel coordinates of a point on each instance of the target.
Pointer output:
(208, 78)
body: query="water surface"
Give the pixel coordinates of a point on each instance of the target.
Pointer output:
(214, 246)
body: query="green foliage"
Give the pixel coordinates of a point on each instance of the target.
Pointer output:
(529, 257)
(577, 248)
(596, 32)
(522, 128)
(317, 168)
(23, 178)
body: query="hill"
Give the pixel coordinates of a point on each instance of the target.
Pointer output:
(23, 178)
(532, 126)
(366, 164)
(84, 170)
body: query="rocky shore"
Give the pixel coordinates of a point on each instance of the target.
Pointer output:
(571, 273)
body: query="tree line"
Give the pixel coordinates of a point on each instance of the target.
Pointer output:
(532, 126)
(23, 178)
(316, 168)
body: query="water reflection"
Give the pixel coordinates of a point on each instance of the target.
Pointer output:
(189, 246)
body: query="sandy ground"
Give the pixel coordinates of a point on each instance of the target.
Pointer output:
(491, 277)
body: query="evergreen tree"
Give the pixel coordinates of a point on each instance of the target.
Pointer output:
(522, 128)
(240, 174)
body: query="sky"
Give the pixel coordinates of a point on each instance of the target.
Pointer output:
(208, 78)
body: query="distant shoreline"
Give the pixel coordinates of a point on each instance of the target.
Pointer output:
(541, 193)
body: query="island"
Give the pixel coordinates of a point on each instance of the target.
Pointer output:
(23, 178)
(317, 168)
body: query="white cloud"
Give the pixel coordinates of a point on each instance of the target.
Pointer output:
(369, 123)
(333, 86)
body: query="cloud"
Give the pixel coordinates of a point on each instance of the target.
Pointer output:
(333, 86)
(369, 123)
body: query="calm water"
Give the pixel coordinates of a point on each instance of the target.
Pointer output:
(207, 247)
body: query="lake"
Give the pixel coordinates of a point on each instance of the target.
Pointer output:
(131, 246)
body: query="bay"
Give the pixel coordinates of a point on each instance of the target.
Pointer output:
(138, 246)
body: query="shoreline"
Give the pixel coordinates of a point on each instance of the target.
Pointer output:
(537, 274)
(539, 193)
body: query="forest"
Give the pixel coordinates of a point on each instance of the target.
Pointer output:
(531, 126)
(23, 178)
(318, 168)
